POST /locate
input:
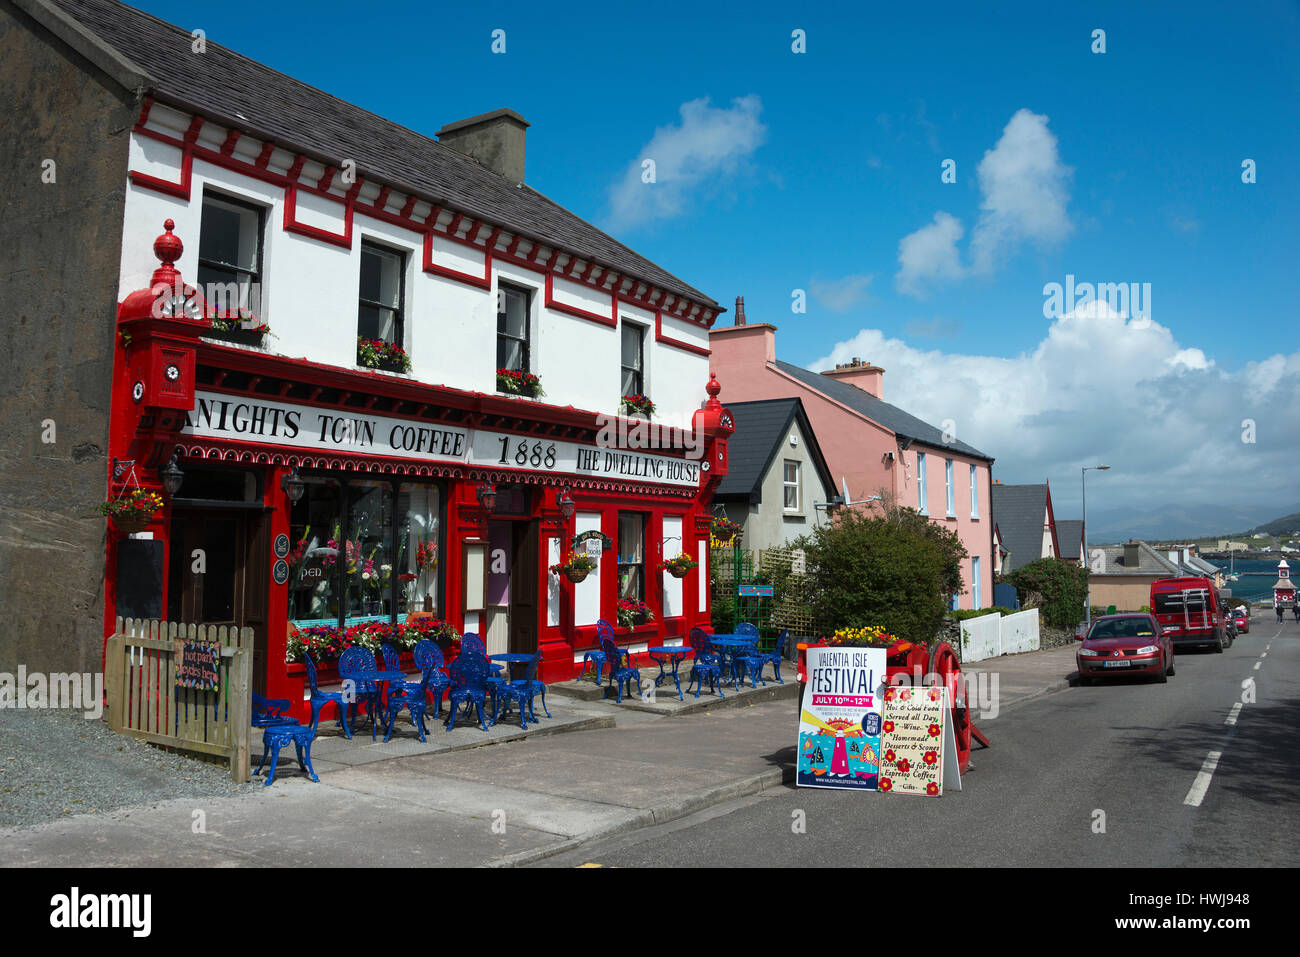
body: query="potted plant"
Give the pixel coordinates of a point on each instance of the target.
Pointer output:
(632, 612)
(243, 329)
(576, 567)
(638, 405)
(518, 382)
(133, 511)
(724, 531)
(378, 354)
(680, 565)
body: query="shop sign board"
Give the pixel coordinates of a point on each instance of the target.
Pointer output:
(918, 749)
(313, 428)
(840, 720)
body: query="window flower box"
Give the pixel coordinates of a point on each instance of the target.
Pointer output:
(518, 382)
(244, 329)
(631, 612)
(638, 405)
(386, 356)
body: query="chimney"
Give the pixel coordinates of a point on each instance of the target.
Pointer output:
(740, 311)
(1132, 554)
(494, 140)
(864, 375)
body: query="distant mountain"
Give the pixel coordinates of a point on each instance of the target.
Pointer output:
(1287, 525)
(1203, 520)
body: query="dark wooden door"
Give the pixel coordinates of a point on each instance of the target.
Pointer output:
(524, 588)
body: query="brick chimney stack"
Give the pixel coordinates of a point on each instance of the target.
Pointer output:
(865, 376)
(740, 311)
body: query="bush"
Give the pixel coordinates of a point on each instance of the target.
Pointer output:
(965, 613)
(1056, 586)
(895, 570)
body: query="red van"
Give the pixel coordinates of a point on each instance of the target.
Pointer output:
(1190, 611)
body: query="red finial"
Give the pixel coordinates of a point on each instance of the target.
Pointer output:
(168, 249)
(713, 388)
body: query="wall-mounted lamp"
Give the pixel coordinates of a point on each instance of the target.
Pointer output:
(172, 476)
(564, 499)
(487, 496)
(293, 486)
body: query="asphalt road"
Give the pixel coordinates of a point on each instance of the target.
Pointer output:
(1100, 776)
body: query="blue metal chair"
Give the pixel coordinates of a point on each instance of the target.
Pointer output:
(268, 713)
(705, 664)
(534, 687)
(596, 657)
(472, 643)
(356, 659)
(468, 685)
(747, 630)
(416, 701)
(520, 691)
(276, 736)
(775, 656)
(749, 661)
(620, 674)
(428, 658)
(321, 698)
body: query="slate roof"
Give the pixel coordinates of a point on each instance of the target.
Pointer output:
(1069, 535)
(762, 428)
(1019, 511)
(221, 84)
(1150, 562)
(878, 410)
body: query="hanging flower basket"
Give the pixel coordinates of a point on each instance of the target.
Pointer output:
(725, 531)
(576, 567)
(680, 566)
(133, 511)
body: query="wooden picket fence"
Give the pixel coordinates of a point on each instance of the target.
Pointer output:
(143, 700)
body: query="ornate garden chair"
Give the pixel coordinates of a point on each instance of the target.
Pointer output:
(620, 674)
(468, 685)
(596, 657)
(428, 658)
(321, 698)
(270, 712)
(357, 659)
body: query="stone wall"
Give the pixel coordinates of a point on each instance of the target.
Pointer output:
(58, 294)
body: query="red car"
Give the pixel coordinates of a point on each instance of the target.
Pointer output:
(1241, 615)
(1125, 645)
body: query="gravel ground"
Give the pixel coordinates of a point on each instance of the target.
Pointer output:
(56, 763)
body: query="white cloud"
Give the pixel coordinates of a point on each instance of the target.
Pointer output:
(1102, 388)
(1025, 192)
(709, 145)
(1025, 187)
(840, 295)
(930, 254)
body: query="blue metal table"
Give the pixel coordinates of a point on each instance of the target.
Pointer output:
(729, 646)
(510, 658)
(661, 655)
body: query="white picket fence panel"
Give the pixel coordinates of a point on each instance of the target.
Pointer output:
(992, 635)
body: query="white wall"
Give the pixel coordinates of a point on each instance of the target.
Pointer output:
(310, 289)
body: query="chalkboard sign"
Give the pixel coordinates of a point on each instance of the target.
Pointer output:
(198, 665)
(139, 578)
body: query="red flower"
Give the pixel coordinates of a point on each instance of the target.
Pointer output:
(931, 757)
(934, 694)
(905, 695)
(886, 784)
(889, 694)
(890, 755)
(932, 788)
(934, 730)
(889, 727)
(904, 765)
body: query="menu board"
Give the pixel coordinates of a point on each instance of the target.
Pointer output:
(840, 721)
(916, 742)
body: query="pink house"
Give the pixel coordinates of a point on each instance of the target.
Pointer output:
(875, 447)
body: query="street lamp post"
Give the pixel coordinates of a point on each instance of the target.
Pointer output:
(1087, 601)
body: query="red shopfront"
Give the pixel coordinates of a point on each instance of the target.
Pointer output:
(413, 498)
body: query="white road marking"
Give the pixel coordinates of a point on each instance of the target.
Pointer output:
(1202, 783)
(1264, 655)
(1232, 715)
(1257, 664)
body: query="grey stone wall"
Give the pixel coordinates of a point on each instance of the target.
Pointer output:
(61, 248)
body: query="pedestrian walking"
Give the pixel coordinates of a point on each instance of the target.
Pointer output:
(1295, 610)
(1277, 607)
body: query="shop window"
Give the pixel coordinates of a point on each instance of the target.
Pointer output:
(512, 329)
(791, 486)
(380, 311)
(314, 567)
(633, 359)
(230, 255)
(418, 549)
(369, 562)
(631, 555)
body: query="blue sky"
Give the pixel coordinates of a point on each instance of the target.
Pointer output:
(779, 171)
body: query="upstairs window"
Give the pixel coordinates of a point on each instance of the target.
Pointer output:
(512, 329)
(920, 483)
(974, 493)
(791, 486)
(380, 312)
(230, 255)
(952, 492)
(633, 359)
